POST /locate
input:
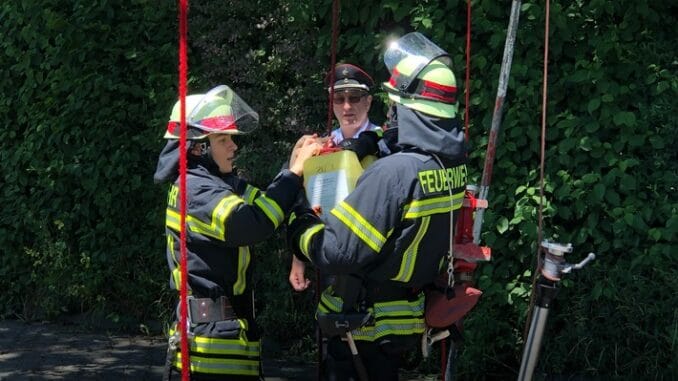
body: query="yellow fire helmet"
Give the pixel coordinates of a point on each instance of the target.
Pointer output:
(219, 111)
(421, 77)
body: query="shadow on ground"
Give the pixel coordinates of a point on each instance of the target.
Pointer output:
(53, 351)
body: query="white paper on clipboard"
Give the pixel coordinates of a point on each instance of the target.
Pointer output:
(327, 189)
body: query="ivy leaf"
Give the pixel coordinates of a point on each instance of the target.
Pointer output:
(566, 145)
(657, 142)
(585, 144)
(598, 192)
(627, 183)
(624, 118)
(503, 225)
(592, 127)
(663, 86)
(655, 234)
(593, 105)
(612, 197)
(590, 178)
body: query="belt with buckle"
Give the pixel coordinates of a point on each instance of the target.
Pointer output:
(206, 310)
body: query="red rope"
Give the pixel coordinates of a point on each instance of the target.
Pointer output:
(542, 153)
(467, 87)
(183, 301)
(543, 125)
(467, 84)
(330, 99)
(333, 61)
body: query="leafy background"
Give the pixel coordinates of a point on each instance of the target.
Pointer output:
(87, 88)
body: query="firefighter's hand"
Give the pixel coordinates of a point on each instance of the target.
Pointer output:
(297, 278)
(306, 147)
(365, 144)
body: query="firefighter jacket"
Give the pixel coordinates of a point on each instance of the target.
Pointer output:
(393, 229)
(224, 216)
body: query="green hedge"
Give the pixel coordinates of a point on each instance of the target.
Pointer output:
(87, 89)
(86, 92)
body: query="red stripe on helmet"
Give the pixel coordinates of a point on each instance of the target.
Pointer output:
(446, 99)
(219, 123)
(438, 86)
(394, 78)
(437, 91)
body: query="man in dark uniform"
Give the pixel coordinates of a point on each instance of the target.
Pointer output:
(351, 104)
(390, 236)
(224, 216)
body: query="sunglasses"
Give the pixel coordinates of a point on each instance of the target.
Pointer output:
(352, 99)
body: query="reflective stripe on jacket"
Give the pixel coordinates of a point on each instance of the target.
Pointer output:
(395, 225)
(224, 216)
(227, 356)
(389, 318)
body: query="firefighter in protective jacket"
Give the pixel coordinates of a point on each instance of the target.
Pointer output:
(224, 216)
(390, 236)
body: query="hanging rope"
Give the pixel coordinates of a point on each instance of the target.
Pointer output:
(467, 81)
(333, 61)
(330, 99)
(535, 276)
(467, 96)
(183, 298)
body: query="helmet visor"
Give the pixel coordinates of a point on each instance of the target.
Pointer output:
(222, 111)
(418, 51)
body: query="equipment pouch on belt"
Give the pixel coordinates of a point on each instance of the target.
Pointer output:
(340, 323)
(206, 310)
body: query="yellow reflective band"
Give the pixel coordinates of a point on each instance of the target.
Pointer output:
(396, 307)
(379, 131)
(170, 248)
(305, 239)
(329, 302)
(359, 226)
(410, 255)
(398, 317)
(220, 365)
(442, 263)
(216, 228)
(176, 275)
(436, 205)
(172, 220)
(239, 347)
(250, 194)
(390, 327)
(176, 271)
(271, 209)
(243, 264)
